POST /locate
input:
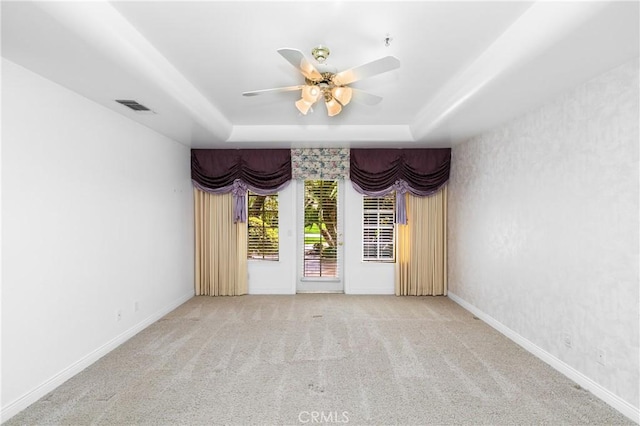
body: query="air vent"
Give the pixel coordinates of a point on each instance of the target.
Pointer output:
(134, 105)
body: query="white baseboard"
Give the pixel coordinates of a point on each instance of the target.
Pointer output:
(372, 292)
(271, 291)
(49, 385)
(598, 390)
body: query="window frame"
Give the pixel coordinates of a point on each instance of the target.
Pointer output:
(376, 228)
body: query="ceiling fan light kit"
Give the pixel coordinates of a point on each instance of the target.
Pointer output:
(323, 81)
(335, 97)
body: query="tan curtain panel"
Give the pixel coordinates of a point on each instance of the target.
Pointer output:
(421, 264)
(220, 246)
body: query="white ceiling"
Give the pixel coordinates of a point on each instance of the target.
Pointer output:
(465, 66)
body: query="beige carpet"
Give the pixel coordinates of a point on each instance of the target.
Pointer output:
(319, 358)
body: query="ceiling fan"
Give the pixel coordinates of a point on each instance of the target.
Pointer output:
(324, 82)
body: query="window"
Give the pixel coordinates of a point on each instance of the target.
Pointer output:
(262, 224)
(378, 230)
(320, 229)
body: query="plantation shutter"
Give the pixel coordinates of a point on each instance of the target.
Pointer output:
(378, 230)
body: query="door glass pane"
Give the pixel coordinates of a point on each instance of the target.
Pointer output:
(320, 228)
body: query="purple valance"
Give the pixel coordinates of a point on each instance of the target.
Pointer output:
(424, 170)
(260, 168)
(378, 172)
(263, 171)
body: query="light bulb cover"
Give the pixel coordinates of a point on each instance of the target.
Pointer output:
(342, 94)
(303, 106)
(333, 107)
(310, 93)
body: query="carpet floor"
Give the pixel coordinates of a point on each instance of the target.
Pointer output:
(319, 358)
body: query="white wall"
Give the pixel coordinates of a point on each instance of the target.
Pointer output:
(362, 277)
(267, 277)
(543, 232)
(96, 216)
(271, 277)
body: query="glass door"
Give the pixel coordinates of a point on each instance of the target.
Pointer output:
(320, 244)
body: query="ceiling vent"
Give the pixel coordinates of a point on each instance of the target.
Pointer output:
(134, 105)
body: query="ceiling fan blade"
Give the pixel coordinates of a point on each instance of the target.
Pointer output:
(369, 69)
(297, 59)
(365, 97)
(274, 90)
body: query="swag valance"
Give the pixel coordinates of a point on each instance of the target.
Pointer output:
(378, 172)
(375, 172)
(220, 171)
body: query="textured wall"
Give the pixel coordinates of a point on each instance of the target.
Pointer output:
(543, 227)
